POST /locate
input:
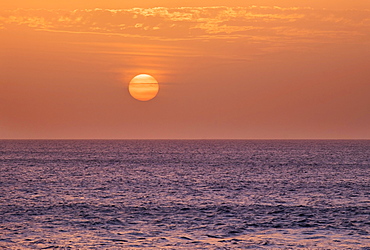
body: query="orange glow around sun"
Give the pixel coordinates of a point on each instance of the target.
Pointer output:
(143, 87)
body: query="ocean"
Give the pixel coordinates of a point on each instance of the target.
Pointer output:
(185, 194)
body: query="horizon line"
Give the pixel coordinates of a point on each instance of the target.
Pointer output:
(184, 139)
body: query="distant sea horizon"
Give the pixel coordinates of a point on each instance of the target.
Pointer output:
(186, 139)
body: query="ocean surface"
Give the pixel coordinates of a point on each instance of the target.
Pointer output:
(184, 194)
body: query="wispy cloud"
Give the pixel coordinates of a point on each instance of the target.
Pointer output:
(254, 23)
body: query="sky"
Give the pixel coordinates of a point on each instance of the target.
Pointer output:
(226, 69)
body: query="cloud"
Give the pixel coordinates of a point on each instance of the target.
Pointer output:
(192, 23)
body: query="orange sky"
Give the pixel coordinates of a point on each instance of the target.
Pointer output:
(227, 69)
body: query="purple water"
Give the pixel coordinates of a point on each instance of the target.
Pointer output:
(169, 194)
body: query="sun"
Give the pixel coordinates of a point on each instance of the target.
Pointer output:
(143, 87)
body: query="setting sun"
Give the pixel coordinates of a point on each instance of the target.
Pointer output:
(143, 87)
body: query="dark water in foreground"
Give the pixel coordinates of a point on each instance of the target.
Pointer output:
(185, 194)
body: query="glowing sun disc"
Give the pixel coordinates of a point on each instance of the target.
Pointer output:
(143, 87)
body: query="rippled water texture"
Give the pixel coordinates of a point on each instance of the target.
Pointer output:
(185, 194)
